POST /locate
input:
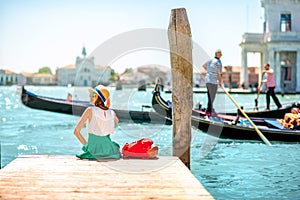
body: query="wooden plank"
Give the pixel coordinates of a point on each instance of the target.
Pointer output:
(66, 177)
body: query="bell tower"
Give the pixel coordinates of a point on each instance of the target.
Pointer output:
(83, 52)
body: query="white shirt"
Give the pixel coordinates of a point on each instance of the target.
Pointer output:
(102, 122)
(214, 67)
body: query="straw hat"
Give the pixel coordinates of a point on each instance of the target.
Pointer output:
(102, 92)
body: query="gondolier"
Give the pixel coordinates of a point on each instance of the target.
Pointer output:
(270, 82)
(212, 79)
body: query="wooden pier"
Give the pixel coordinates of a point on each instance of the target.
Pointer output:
(66, 177)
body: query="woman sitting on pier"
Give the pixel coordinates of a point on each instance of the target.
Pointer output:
(100, 124)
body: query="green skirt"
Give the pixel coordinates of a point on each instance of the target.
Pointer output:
(100, 147)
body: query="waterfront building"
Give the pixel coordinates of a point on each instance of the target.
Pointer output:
(83, 73)
(231, 76)
(8, 77)
(66, 75)
(148, 74)
(279, 44)
(43, 79)
(37, 79)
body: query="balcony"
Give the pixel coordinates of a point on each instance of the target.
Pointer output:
(291, 36)
(253, 38)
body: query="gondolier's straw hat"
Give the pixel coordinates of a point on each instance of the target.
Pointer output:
(103, 93)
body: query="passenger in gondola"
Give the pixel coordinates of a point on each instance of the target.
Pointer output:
(69, 97)
(100, 121)
(213, 79)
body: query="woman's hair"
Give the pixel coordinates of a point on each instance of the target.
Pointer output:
(99, 103)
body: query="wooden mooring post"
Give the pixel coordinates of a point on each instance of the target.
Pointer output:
(182, 81)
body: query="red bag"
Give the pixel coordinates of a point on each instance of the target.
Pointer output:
(143, 148)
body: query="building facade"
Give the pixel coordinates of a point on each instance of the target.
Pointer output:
(8, 77)
(42, 79)
(83, 73)
(278, 45)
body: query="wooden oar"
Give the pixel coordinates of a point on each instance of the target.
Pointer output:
(266, 141)
(256, 100)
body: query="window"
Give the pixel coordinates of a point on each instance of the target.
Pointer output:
(285, 23)
(86, 70)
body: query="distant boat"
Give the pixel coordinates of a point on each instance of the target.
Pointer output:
(34, 101)
(222, 125)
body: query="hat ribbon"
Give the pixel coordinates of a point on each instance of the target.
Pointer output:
(100, 94)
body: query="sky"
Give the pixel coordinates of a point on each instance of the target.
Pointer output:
(38, 33)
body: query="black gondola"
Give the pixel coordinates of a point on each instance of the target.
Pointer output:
(34, 101)
(223, 126)
(276, 113)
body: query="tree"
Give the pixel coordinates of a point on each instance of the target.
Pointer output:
(45, 70)
(113, 75)
(127, 70)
